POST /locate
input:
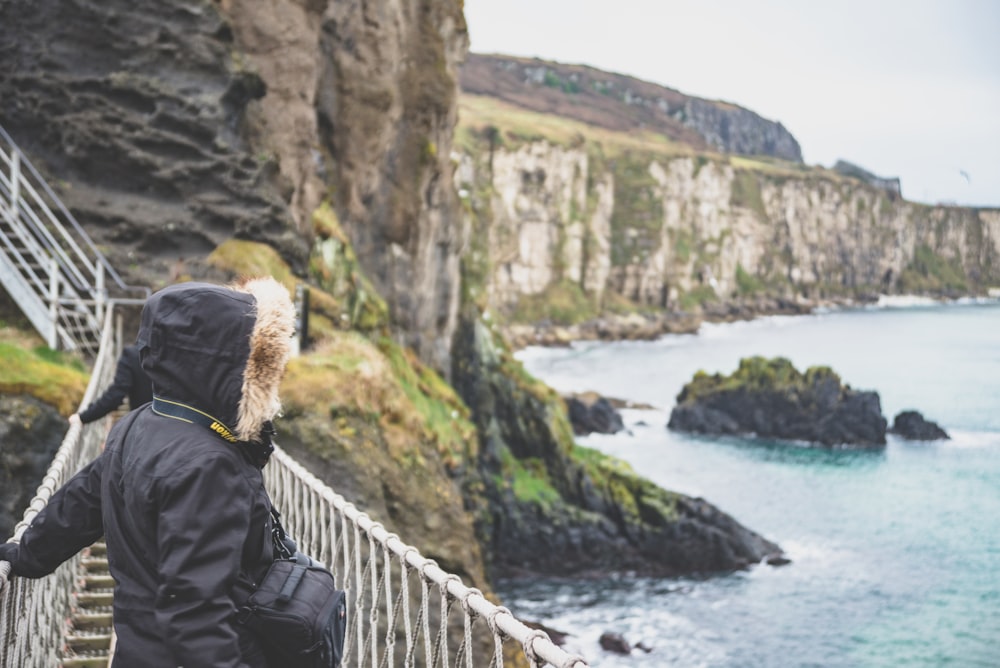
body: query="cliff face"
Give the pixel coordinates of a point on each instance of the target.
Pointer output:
(171, 127)
(31, 432)
(137, 118)
(689, 232)
(361, 109)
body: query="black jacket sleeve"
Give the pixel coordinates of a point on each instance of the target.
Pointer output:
(69, 522)
(112, 397)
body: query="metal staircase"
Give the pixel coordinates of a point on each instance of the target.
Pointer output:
(48, 264)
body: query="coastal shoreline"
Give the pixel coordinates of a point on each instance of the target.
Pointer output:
(648, 327)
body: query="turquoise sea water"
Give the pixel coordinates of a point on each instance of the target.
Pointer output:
(895, 554)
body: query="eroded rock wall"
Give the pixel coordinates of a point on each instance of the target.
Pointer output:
(169, 127)
(137, 116)
(30, 434)
(361, 109)
(686, 232)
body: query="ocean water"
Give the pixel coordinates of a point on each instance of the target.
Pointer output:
(895, 553)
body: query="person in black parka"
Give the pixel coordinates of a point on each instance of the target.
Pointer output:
(130, 381)
(183, 510)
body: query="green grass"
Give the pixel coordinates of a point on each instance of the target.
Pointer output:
(527, 479)
(756, 373)
(746, 283)
(479, 117)
(48, 375)
(694, 298)
(746, 192)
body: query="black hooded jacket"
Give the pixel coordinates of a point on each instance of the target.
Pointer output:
(183, 510)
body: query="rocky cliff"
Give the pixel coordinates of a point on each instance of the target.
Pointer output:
(580, 223)
(174, 126)
(771, 399)
(312, 140)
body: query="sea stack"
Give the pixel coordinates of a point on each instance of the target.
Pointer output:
(770, 398)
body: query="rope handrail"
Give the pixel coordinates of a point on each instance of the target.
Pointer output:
(373, 565)
(317, 539)
(33, 612)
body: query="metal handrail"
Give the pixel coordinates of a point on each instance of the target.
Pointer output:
(99, 257)
(51, 267)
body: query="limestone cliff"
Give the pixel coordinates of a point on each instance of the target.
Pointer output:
(700, 231)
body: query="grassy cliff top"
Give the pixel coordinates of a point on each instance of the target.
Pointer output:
(478, 115)
(483, 119)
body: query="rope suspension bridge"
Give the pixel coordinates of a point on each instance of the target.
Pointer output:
(403, 609)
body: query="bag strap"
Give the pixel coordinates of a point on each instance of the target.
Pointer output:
(294, 578)
(284, 546)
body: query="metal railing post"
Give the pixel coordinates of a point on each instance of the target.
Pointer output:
(15, 185)
(53, 335)
(100, 293)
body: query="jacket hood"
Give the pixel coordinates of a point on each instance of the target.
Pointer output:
(220, 349)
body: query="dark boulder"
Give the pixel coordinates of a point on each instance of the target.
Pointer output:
(777, 560)
(615, 642)
(771, 399)
(913, 426)
(590, 413)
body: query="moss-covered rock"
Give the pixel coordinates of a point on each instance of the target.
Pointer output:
(552, 507)
(50, 376)
(385, 436)
(770, 398)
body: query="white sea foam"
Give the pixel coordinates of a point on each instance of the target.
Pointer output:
(719, 330)
(971, 439)
(906, 301)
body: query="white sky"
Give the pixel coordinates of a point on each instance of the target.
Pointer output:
(907, 88)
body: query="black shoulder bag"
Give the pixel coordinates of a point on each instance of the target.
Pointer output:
(296, 611)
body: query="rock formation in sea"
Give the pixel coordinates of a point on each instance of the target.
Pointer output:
(591, 413)
(770, 398)
(913, 426)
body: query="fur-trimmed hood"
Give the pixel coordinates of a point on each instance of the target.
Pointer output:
(221, 350)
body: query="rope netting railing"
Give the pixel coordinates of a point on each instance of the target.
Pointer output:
(401, 605)
(33, 612)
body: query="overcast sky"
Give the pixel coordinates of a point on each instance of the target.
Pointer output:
(907, 88)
